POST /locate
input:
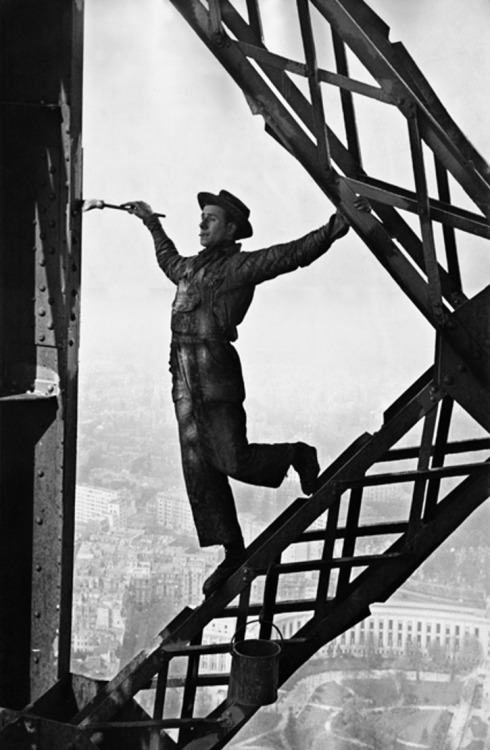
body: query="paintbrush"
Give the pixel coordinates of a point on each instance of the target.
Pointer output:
(88, 205)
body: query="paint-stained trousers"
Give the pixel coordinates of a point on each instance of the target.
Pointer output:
(214, 446)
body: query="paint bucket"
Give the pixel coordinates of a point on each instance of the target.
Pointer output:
(254, 674)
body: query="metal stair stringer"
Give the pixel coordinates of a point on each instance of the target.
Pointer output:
(333, 610)
(405, 556)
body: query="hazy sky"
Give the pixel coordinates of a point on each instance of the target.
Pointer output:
(163, 120)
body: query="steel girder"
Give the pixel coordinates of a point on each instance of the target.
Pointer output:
(40, 118)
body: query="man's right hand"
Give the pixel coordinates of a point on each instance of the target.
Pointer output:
(138, 208)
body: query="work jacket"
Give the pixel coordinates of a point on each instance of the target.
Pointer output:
(214, 291)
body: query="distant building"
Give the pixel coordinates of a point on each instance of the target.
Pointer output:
(97, 504)
(192, 577)
(83, 641)
(395, 626)
(410, 619)
(146, 587)
(174, 512)
(218, 632)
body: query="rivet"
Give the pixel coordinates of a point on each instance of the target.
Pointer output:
(52, 223)
(52, 170)
(39, 520)
(42, 262)
(40, 473)
(37, 614)
(50, 326)
(71, 342)
(247, 575)
(42, 235)
(39, 568)
(50, 300)
(51, 250)
(36, 660)
(41, 312)
(50, 388)
(42, 287)
(42, 337)
(73, 316)
(448, 380)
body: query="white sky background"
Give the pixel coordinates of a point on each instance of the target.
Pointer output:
(163, 120)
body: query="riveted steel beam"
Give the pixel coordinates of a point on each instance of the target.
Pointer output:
(40, 122)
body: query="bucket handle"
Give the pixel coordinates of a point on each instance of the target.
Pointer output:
(251, 622)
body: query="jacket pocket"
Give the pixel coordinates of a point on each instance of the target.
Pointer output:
(184, 309)
(186, 301)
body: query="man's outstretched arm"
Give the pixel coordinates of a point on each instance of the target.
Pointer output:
(168, 258)
(262, 265)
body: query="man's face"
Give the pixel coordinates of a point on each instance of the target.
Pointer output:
(214, 229)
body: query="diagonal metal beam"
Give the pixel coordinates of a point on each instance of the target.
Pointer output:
(314, 84)
(367, 37)
(395, 225)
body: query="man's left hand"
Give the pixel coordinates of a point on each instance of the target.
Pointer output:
(362, 203)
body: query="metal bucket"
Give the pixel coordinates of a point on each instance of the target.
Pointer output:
(254, 674)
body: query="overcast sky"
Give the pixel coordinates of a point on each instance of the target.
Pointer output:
(163, 120)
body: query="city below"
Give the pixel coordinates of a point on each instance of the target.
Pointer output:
(413, 674)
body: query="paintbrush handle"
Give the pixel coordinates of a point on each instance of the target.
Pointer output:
(122, 208)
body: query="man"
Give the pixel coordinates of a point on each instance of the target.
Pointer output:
(214, 291)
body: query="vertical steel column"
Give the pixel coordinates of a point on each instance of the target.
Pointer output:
(40, 124)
